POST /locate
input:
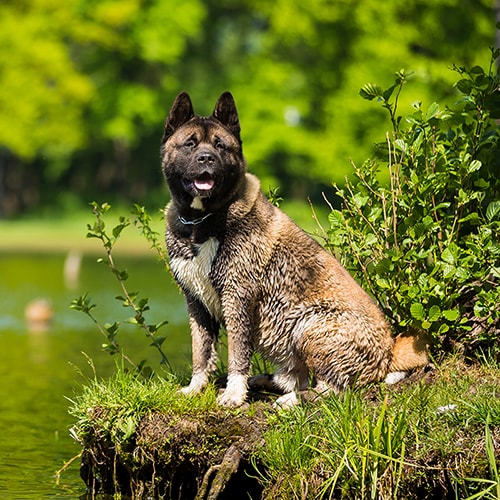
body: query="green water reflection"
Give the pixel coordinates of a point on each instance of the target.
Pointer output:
(40, 370)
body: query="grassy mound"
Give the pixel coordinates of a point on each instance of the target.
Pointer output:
(437, 437)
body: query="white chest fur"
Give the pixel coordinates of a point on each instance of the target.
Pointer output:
(194, 275)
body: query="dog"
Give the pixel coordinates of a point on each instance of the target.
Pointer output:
(245, 266)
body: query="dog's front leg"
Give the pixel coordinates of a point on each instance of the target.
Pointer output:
(239, 355)
(204, 331)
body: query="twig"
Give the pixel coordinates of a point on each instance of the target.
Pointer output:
(66, 465)
(318, 223)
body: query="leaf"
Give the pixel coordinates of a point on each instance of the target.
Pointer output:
(443, 328)
(465, 86)
(384, 266)
(473, 218)
(493, 210)
(387, 93)
(160, 324)
(112, 329)
(448, 271)
(482, 184)
(451, 314)
(432, 112)
(447, 256)
(360, 200)
(417, 311)
(474, 166)
(383, 283)
(462, 273)
(371, 91)
(370, 239)
(434, 313)
(476, 70)
(143, 304)
(401, 144)
(158, 341)
(336, 218)
(119, 228)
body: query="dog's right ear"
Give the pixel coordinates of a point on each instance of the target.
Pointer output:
(180, 112)
(225, 111)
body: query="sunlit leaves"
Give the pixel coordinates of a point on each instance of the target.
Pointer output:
(39, 83)
(428, 247)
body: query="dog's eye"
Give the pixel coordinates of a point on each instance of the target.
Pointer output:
(190, 143)
(220, 145)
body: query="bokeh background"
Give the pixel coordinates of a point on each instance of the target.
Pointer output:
(85, 86)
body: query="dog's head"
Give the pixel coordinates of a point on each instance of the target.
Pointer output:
(202, 158)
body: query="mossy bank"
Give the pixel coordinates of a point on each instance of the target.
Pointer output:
(436, 436)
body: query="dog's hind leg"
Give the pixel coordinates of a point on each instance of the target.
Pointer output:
(320, 390)
(291, 380)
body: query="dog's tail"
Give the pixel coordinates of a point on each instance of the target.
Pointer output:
(410, 352)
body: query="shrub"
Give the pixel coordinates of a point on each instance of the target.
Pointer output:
(426, 243)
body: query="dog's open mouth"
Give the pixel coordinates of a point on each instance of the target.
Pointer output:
(204, 182)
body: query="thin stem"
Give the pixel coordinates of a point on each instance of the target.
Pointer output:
(137, 310)
(393, 197)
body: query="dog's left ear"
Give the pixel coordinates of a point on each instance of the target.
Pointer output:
(180, 113)
(225, 111)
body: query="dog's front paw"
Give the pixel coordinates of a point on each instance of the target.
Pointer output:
(231, 400)
(187, 390)
(235, 393)
(198, 382)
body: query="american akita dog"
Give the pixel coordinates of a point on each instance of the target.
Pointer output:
(243, 264)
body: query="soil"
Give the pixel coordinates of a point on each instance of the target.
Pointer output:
(180, 457)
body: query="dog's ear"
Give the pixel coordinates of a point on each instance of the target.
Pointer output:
(225, 111)
(180, 113)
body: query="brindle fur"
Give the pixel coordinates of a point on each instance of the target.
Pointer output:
(242, 263)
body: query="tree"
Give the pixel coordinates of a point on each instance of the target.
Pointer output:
(85, 85)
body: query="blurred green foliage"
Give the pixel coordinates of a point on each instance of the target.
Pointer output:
(85, 85)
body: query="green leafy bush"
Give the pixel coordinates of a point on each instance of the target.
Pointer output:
(426, 246)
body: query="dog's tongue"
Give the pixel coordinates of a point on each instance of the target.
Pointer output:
(204, 183)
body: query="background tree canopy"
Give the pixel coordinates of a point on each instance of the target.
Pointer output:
(85, 85)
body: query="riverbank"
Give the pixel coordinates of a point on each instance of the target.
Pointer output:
(436, 437)
(61, 234)
(64, 234)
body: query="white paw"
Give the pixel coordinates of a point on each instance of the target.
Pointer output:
(231, 400)
(395, 377)
(287, 400)
(187, 390)
(235, 393)
(198, 382)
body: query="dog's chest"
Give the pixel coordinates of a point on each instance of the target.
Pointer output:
(194, 275)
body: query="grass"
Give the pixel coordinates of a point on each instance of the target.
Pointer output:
(117, 405)
(437, 438)
(429, 440)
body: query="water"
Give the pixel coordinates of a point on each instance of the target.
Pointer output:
(40, 370)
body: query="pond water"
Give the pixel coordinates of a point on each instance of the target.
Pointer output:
(41, 369)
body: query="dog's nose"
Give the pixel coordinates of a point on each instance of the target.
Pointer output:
(205, 158)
